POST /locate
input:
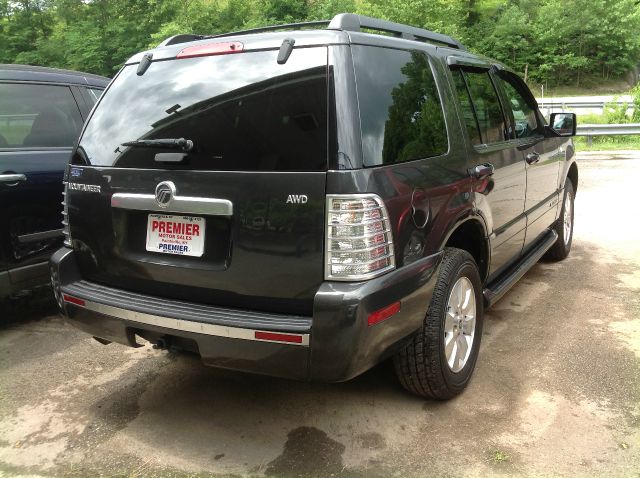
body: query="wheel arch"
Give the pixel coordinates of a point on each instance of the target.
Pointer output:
(470, 234)
(572, 174)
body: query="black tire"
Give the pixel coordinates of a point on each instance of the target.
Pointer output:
(560, 250)
(421, 366)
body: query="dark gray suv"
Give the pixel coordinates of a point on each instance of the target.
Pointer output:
(308, 200)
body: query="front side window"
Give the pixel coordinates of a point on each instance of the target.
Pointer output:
(243, 112)
(524, 115)
(400, 111)
(486, 106)
(37, 116)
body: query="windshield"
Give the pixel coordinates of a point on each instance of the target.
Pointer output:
(241, 111)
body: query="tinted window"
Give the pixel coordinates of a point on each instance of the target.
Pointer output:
(486, 106)
(37, 116)
(468, 116)
(243, 112)
(400, 110)
(94, 95)
(524, 115)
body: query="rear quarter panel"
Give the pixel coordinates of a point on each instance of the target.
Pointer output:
(425, 198)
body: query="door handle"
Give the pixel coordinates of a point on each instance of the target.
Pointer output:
(482, 171)
(12, 179)
(532, 158)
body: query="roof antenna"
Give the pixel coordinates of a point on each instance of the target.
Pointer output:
(285, 50)
(144, 64)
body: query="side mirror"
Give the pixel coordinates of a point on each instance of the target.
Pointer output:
(563, 124)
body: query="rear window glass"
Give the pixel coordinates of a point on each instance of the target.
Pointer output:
(241, 111)
(400, 111)
(37, 116)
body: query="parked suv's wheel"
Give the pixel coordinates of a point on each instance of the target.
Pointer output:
(440, 358)
(564, 226)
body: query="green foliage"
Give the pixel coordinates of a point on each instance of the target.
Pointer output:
(563, 42)
(612, 114)
(558, 42)
(604, 143)
(616, 114)
(635, 94)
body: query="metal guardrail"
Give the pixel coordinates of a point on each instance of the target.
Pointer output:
(582, 104)
(591, 130)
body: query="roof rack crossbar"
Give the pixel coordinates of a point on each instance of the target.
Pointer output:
(354, 23)
(345, 22)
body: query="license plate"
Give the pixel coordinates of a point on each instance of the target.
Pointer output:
(182, 235)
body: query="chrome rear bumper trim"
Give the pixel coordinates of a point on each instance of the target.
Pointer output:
(189, 325)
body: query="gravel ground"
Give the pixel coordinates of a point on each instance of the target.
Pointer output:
(556, 391)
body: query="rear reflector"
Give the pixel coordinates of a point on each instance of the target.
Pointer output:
(275, 337)
(383, 314)
(209, 49)
(73, 300)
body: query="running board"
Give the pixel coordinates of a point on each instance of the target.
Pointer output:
(500, 286)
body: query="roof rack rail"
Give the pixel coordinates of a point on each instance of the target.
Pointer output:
(354, 23)
(345, 22)
(286, 26)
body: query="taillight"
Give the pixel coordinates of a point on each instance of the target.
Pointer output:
(359, 240)
(65, 218)
(209, 49)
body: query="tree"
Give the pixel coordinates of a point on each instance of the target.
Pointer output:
(561, 41)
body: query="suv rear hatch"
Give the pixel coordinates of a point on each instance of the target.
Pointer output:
(243, 223)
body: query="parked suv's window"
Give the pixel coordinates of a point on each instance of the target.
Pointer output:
(468, 115)
(486, 106)
(524, 116)
(400, 110)
(94, 94)
(37, 116)
(242, 111)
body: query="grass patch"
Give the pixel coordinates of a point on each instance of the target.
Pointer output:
(592, 119)
(607, 143)
(594, 87)
(499, 456)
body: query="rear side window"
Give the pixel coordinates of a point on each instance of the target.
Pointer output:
(94, 95)
(400, 111)
(468, 115)
(37, 116)
(486, 106)
(243, 112)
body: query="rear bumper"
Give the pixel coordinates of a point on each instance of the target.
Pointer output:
(335, 344)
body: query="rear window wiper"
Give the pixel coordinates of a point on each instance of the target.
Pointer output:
(166, 143)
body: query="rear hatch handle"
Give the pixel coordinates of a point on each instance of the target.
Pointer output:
(166, 199)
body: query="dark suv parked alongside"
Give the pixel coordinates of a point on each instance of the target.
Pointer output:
(308, 203)
(41, 114)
